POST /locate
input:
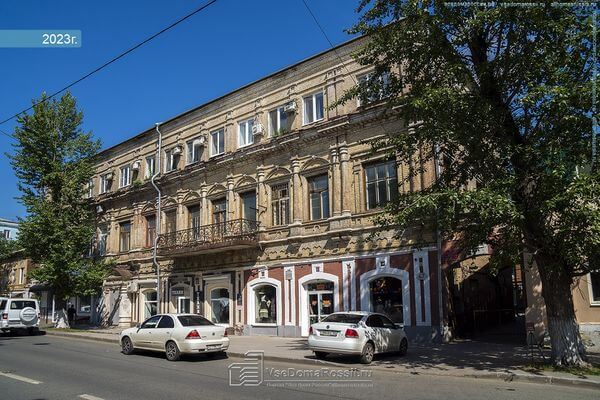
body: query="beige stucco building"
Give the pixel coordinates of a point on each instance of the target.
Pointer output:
(268, 199)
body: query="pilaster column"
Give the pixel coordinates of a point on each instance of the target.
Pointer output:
(296, 197)
(346, 180)
(262, 199)
(336, 186)
(231, 209)
(204, 214)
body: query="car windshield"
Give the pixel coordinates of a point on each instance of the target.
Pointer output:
(21, 304)
(344, 318)
(193, 320)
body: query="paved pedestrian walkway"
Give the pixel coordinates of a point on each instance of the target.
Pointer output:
(462, 358)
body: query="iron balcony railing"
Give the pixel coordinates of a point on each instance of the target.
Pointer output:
(237, 230)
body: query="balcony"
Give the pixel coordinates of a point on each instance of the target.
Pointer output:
(223, 236)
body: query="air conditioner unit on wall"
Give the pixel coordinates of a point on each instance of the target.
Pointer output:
(290, 107)
(257, 129)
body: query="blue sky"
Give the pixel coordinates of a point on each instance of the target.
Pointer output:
(231, 43)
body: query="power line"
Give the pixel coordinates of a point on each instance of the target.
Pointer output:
(106, 64)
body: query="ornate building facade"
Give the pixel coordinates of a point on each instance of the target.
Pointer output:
(268, 199)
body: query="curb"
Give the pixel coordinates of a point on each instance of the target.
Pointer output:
(503, 376)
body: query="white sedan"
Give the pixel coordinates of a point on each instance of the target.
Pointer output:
(175, 334)
(360, 333)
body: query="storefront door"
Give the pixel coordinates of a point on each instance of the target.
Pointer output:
(320, 301)
(183, 305)
(218, 302)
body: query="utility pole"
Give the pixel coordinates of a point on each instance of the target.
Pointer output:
(158, 215)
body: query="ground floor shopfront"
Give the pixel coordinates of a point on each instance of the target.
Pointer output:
(283, 299)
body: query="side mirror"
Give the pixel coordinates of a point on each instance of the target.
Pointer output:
(138, 326)
(399, 325)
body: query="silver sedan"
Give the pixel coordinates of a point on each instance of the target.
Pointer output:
(175, 334)
(359, 333)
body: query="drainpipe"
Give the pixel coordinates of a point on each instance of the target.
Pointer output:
(158, 214)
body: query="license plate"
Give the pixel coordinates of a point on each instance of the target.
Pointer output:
(213, 346)
(329, 333)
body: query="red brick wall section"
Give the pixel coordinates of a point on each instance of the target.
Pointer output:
(335, 268)
(433, 287)
(405, 262)
(362, 265)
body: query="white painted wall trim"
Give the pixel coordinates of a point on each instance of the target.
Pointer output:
(303, 295)
(367, 277)
(290, 300)
(349, 284)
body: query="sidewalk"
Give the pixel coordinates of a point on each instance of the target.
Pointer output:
(460, 359)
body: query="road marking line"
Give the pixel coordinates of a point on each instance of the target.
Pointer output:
(89, 397)
(20, 378)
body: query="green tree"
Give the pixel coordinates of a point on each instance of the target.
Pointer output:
(501, 97)
(52, 159)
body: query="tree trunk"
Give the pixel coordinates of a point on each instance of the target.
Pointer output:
(567, 347)
(62, 321)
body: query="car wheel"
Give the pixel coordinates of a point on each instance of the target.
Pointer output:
(126, 346)
(403, 348)
(320, 355)
(32, 331)
(172, 351)
(367, 353)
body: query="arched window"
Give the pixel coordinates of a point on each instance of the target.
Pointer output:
(150, 304)
(386, 297)
(265, 304)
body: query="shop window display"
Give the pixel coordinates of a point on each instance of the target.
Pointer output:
(266, 307)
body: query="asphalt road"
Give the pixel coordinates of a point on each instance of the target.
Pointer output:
(44, 367)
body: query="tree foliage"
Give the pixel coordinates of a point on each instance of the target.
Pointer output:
(502, 98)
(52, 160)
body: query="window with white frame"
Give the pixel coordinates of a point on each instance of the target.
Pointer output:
(125, 176)
(217, 142)
(318, 188)
(265, 304)
(382, 183)
(373, 89)
(594, 278)
(280, 121)
(172, 159)
(245, 136)
(280, 204)
(194, 150)
(105, 183)
(125, 236)
(90, 188)
(150, 166)
(313, 108)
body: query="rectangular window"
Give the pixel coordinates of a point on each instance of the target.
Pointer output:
(382, 184)
(170, 221)
(219, 211)
(84, 304)
(313, 108)
(150, 230)
(245, 136)
(280, 204)
(125, 177)
(194, 150)
(318, 188)
(150, 166)
(172, 159)
(6, 234)
(125, 236)
(90, 188)
(373, 90)
(105, 183)
(595, 286)
(280, 121)
(101, 237)
(249, 205)
(217, 142)
(21, 276)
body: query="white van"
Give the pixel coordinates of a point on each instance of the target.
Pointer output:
(19, 314)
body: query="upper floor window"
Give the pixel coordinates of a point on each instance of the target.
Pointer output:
(217, 142)
(90, 188)
(245, 136)
(172, 159)
(219, 210)
(313, 108)
(280, 204)
(194, 217)
(249, 205)
(6, 234)
(150, 230)
(125, 236)
(125, 177)
(373, 89)
(318, 188)
(170, 221)
(105, 183)
(382, 184)
(150, 166)
(594, 279)
(101, 238)
(194, 150)
(280, 121)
